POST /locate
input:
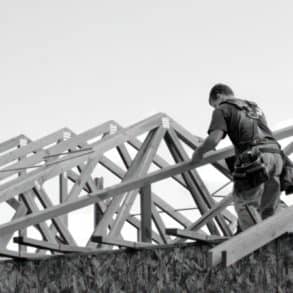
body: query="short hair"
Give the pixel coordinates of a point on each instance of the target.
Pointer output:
(219, 88)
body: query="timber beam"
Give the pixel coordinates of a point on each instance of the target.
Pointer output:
(200, 237)
(62, 248)
(119, 242)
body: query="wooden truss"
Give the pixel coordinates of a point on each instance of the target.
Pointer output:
(77, 164)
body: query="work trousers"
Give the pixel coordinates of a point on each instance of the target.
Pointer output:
(255, 204)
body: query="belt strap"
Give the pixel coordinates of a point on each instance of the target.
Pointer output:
(270, 150)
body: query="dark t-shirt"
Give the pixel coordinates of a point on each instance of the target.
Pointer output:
(232, 119)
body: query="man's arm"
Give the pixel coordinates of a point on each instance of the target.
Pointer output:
(208, 144)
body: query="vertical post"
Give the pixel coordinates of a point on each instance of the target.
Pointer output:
(146, 213)
(98, 214)
(23, 232)
(63, 191)
(63, 183)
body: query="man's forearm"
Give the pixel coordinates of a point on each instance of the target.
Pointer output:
(207, 145)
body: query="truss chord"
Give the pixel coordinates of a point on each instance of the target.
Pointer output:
(221, 188)
(66, 159)
(69, 152)
(44, 165)
(22, 169)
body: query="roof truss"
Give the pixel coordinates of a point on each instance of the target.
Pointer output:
(77, 164)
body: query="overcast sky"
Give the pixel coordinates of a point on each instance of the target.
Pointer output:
(80, 63)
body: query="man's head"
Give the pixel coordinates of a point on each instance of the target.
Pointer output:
(219, 93)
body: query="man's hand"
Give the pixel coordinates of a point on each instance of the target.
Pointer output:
(208, 144)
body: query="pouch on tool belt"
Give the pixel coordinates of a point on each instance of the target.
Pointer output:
(286, 178)
(250, 170)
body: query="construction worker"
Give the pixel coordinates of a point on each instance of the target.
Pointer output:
(258, 162)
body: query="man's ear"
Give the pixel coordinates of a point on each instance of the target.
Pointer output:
(218, 96)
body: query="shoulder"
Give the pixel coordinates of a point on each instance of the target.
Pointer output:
(219, 113)
(225, 109)
(236, 104)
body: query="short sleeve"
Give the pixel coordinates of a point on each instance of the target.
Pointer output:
(218, 122)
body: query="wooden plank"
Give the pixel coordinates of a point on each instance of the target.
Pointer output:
(169, 210)
(133, 172)
(186, 136)
(158, 161)
(52, 152)
(10, 143)
(200, 186)
(193, 189)
(73, 177)
(196, 236)
(193, 142)
(109, 192)
(160, 224)
(63, 193)
(210, 202)
(119, 242)
(58, 221)
(36, 243)
(91, 184)
(112, 167)
(120, 173)
(23, 232)
(63, 248)
(32, 146)
(26, 182)
(117, 171)
(142, 165)
(32, 206)
(98, 214)
(116, 189)
(211, 213)
(90, 187)
(251, 239)
(63, 190)
(21, 211)
(146, 213)
(83, 178)
(137, 224)
(125, 156)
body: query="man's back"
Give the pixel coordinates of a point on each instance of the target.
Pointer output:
(244, 122)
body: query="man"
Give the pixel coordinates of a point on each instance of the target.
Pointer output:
(255, 197)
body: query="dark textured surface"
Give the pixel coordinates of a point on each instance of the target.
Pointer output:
(180, 268)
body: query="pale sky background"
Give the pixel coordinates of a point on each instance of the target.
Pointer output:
(81, 63)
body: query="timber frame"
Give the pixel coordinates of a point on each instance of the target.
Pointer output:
(76, 163)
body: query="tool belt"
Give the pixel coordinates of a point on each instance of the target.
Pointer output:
(250, 170)
(286, 177)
